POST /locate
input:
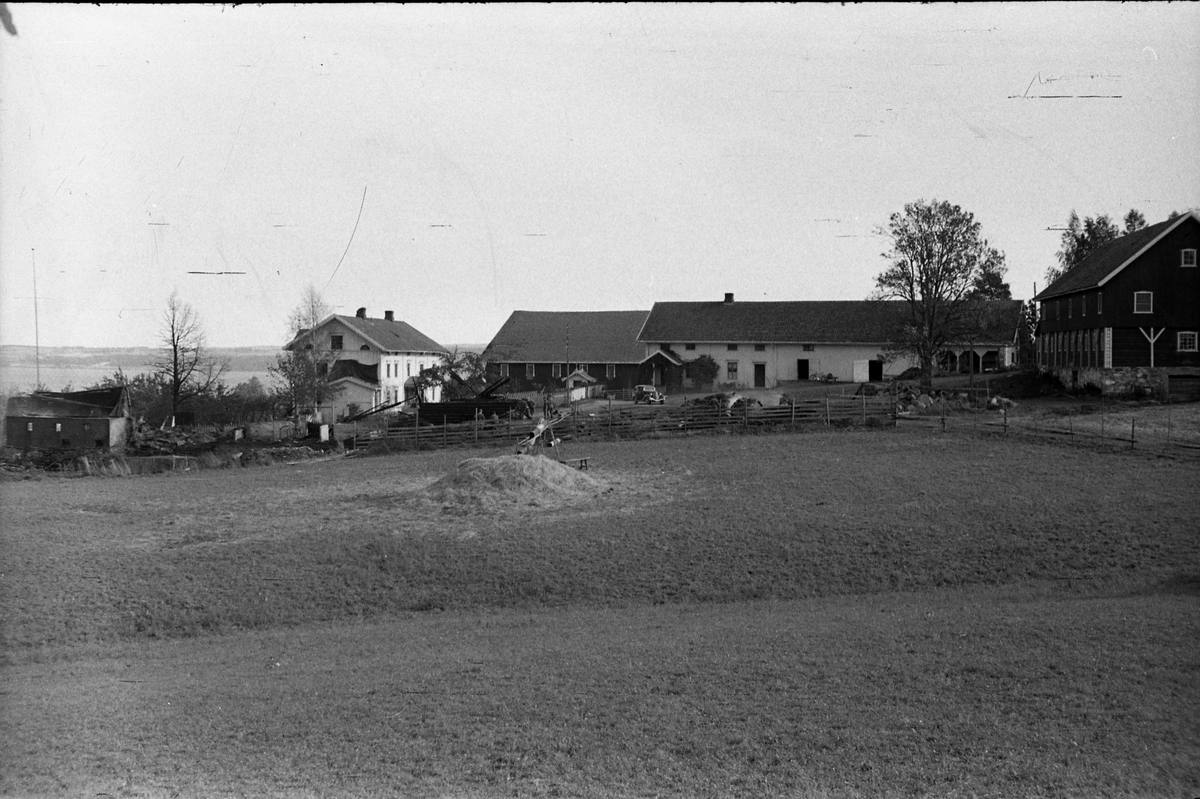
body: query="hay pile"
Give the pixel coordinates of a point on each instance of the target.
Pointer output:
(517, 479)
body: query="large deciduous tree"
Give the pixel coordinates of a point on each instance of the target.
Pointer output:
(1082, 238)
(184, 364)
(938, 264)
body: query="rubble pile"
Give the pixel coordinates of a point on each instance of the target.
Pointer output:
(148, 440)
(914, 402)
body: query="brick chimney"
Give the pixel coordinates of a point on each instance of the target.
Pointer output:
(361, 313)
(729, 298)
(388, 316)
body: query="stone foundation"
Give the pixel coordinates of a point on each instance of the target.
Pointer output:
(1133, 381)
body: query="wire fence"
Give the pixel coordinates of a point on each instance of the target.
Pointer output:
(1158, 428)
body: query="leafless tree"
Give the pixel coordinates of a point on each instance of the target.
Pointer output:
(185, 366)
(310, 312)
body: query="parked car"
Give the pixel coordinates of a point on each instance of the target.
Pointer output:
(649, 395)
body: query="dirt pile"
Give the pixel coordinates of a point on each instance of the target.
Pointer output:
(517, 479)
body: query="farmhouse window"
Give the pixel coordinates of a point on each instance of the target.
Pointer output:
(760, 347)
(689, 346)
(1187, 258)
(664, 347)
(529, 370)
(504, 370)
(810, 347)
(1099, 302)
(408, 369)
(1083, 305)
(29, 427)
(1186, 340)
(556, 370)
(610, 371)
(58, 427)
(731, 347)
(335, 342)
(1143, 302)
(731, 370)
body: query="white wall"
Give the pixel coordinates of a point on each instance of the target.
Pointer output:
(780, 360)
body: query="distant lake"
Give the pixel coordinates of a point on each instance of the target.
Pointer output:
(20, 378)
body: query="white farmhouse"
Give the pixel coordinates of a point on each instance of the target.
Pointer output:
(374, 361)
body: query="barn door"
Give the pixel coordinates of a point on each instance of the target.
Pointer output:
(802, 369)
(760, 375)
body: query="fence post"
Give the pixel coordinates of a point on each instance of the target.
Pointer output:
(417, 425)
(1132, 432)
(1004, 410)
(793, 404)
(864, 404)
(1071, 424)
(477, 428)
(826, 410)
(1168, 419)
(443, 429)
(942, 402)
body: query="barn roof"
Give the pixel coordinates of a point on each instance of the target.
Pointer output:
(1109, 259)
(575, 336)
(820, 321)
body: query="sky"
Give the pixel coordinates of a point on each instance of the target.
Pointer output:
(454, 163)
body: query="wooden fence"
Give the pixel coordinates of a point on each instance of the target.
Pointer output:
(641, 422)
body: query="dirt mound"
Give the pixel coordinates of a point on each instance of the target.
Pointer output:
(522, 479)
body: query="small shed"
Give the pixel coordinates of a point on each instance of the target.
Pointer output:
(75, 420)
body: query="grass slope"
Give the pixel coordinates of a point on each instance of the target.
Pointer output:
(960, 692)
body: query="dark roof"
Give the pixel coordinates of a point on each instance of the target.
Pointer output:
(368, 373)
(763, 322)
(100, 402)
(387, 336)
(829, 321)
(999, 322)
(1091, 271)
(575, 336)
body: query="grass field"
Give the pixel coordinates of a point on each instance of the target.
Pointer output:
(825, 614)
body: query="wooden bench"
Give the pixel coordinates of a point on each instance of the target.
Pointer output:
(579, 463)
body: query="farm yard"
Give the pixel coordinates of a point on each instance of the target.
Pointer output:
(868, 612)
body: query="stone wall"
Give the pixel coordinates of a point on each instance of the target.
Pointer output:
(1123, 382)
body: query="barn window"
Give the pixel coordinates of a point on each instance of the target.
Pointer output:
(810, 347)
(335, 342)
(365, 348)
(1083, 305)
(504, 370)
(1186, 340)
(1069, 304)
(731, 370)
(731, 347)
(610, 371)
(529, 367)
(556, 370)
(760, 347)
(1099, 302)
(1143, 302)
(58, 427)
(1187, 258)
(689, 346)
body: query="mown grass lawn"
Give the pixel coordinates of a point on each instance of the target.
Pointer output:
(841, 614)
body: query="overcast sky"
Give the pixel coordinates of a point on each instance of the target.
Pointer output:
(480, 159)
